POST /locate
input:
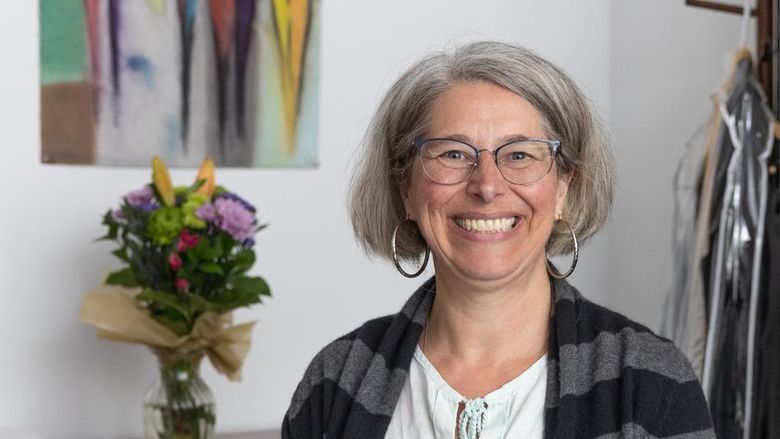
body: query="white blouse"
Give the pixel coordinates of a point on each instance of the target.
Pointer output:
(428, 406)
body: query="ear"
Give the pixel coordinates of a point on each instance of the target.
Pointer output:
(561, 191)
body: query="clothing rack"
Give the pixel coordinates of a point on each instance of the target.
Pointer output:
(741, 402)
(767, 14)
(767, 42)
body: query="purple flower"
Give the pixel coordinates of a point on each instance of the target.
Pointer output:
(234, 218)
(142, 198)
(207, 213)
(117, 214)
(231, 196)
(148, 207)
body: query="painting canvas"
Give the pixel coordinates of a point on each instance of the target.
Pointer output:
(235, 80)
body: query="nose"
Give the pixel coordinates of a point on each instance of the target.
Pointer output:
(486, 182)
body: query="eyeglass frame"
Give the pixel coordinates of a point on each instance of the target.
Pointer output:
(554, 145)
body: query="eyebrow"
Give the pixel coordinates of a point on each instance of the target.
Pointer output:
(503, 141)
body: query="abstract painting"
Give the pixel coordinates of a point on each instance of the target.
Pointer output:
(235, 80)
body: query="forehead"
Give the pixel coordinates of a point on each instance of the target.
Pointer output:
(482, 110)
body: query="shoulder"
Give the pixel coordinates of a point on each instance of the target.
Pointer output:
(359, 345)
(361, 371)
(335, 372)
(385, 343)
(607, 360)
(595, 328)
(388, 339)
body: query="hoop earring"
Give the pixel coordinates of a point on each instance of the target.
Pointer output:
(550, 269)
(395, 255)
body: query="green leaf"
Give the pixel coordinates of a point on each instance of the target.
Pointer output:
(167, 301)
(227, 300)
(173, 322)
(225, 242)
(121, 253)
(106, 237)
(123, 277)
(243, 261)
(197, 185)
(199, 304)
(245, 291)
(212, 268)
(260, 227)
(205, 252)
(113, 226)
(256, 285)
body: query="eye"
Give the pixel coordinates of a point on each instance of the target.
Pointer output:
(518, 156)
(453, 155)
(448, 151)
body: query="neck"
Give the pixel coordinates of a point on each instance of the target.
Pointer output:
(489, 323)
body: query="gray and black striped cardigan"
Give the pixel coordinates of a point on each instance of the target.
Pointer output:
(607, 377)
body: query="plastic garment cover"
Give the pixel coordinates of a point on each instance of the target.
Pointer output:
(736, 231)
(685, 317)
(766, 419)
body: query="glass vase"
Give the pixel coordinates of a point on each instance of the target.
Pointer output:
(179, 405)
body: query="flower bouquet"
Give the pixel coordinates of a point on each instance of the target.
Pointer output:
(186, 253)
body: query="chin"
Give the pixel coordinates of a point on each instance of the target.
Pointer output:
(487, 272)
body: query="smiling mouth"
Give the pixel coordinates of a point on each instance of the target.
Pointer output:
(495, 225)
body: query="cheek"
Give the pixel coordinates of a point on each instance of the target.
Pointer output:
(543, 200)
(426, 200)
(424, 194)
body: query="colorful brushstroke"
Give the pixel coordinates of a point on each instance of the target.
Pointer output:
(67, 112)
(91, 8)
(186, 9)
(62, 42)
(158, 6)
(223, 17)
(292, 21)
(114, 21)
(245, 16)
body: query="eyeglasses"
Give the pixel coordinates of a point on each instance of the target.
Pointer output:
(450, 161)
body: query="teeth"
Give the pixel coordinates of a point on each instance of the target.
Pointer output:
(486, 226)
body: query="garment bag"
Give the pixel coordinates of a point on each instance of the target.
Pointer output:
(685, 317)
(736, 233)
(766, 423)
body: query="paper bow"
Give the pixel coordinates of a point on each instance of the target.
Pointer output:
(114, 311)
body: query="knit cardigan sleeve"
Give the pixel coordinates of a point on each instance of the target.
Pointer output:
(610, 377)
(352, 385)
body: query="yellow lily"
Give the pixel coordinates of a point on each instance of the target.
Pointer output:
(161, 180)
(206, 173)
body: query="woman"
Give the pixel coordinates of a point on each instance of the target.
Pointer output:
(489, 159)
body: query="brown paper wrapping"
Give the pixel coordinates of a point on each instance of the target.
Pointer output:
(114, 311)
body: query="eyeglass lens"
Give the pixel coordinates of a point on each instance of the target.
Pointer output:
(448, 161)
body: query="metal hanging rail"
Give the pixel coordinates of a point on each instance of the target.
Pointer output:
(734, 9)
(765, 52)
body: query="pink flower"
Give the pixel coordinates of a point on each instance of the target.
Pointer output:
(182, 284)
(187, 240)
(174, 260)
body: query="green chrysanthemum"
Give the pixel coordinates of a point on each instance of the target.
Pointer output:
(164, 225)
(194, 201)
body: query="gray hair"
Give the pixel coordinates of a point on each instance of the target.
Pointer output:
(375, 204)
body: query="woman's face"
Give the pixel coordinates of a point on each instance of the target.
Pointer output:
(486, 116)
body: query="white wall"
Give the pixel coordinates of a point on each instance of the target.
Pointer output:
(666, 60)
(58, 379)
(648, 65)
